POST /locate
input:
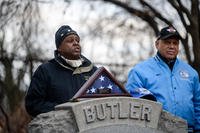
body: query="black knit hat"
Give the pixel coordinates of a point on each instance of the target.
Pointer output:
(168, 32)
(63, 32)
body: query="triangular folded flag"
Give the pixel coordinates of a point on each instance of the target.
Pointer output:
(101, 84)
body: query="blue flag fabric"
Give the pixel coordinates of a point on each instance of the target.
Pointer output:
(104, 85)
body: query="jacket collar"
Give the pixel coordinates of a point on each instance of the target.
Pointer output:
(85, 67)
(170, 63)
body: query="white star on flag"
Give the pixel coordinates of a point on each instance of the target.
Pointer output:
(101, 78)
(110, 86)
(93, 90)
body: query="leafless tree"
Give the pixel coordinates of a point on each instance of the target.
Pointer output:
(154, 14)
(18, 32)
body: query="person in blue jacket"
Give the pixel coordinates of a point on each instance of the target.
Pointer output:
(174, 83)
(58, 80)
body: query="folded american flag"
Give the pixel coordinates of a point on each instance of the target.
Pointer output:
(101, 84)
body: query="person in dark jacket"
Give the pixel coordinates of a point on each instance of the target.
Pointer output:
(58, 80)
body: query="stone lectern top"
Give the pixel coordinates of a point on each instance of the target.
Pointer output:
(108, 115)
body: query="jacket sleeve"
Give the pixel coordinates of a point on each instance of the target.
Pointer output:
(35, 102)
(197, 104)
(134, 81)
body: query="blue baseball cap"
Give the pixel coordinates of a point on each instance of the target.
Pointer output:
(168, 32)
(143, 93)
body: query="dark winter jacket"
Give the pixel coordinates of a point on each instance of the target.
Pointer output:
(55, 82)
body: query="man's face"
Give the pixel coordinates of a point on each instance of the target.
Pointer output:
(70, 47)
(168, 48)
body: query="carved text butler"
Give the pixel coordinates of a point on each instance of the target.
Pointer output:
(117, 110)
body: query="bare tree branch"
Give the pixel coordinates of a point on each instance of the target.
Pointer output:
(184, 9)
(179, 11)
(157, 13)
(7, 14)
(144, 15)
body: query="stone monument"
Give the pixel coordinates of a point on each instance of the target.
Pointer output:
(108, 115)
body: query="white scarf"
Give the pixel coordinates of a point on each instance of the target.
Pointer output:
(73, 63)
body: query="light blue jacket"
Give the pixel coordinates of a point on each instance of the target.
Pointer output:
(178, 90)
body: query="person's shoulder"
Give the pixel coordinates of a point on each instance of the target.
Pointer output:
(186, 66)
(85, 58)
(143, 66)
(88, 64)
(47, 64)
(145, 63)
(86, 61)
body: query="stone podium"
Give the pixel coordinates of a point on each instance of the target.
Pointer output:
(108, 115)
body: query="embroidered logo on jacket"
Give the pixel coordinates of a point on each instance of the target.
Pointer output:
(184, 74)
